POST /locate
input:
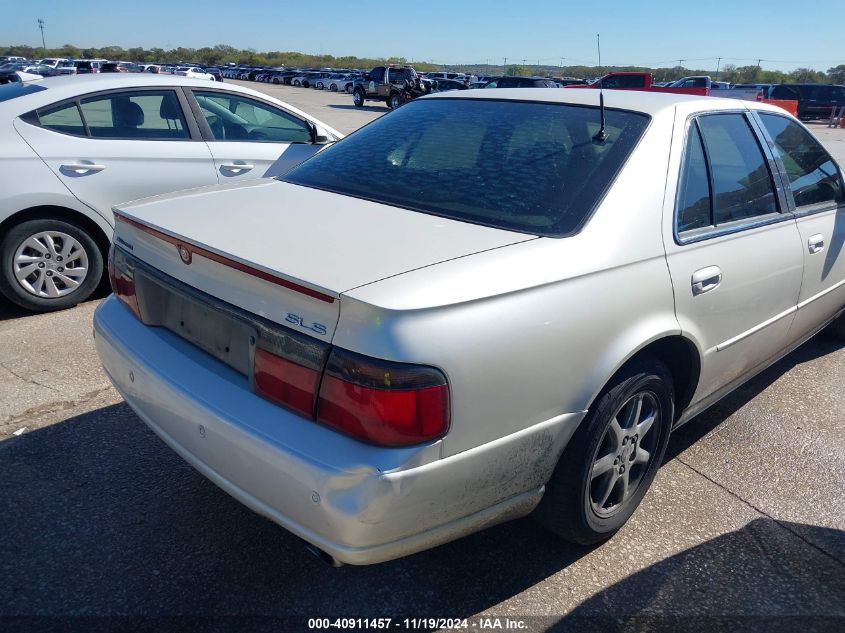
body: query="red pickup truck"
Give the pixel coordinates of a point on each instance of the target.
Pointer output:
(645, 81)
(637, 81)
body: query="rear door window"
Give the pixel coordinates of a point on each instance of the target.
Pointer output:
(725, 176)
(813, 176)
(150, 115)
(741, 183)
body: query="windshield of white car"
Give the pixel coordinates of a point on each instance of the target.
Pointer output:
(522, 166)
(18, 89)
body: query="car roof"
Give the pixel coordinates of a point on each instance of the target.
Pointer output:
(635, 100)
(69, 86)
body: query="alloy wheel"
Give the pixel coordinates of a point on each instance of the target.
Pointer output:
(624, 454)
(50, 264)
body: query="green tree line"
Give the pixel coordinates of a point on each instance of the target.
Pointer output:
(224, 54)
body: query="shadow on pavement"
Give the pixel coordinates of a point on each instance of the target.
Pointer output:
(10, 311)
(100, 517)
(702, 424)
(751, 579)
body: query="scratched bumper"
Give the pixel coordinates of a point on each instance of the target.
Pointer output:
(359, 503)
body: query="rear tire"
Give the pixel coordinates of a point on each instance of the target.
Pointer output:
(394, 100)
(612, 459)
(48, 265)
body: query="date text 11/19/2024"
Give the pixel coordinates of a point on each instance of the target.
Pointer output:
(480, 624)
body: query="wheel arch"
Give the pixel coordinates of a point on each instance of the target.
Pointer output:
(683, 359)
(41, 212)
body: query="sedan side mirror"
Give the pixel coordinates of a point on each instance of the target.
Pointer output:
(321, 136)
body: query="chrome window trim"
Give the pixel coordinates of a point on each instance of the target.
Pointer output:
(711, 232)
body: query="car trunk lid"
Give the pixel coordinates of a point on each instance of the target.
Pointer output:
(286, 252)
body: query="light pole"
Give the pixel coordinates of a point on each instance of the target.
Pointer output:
(41, 26)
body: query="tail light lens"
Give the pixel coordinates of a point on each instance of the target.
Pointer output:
(390, 404)
(287, 370)
(122, 279)
(377, 401)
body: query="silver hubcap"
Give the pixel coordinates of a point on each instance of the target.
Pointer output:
(624, 454)
(50, 264)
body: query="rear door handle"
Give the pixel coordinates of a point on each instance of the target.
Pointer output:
(237, 166)
(816, 243)
(82, 168)
(706, 279)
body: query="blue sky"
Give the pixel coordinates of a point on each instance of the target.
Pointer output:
(657, 33)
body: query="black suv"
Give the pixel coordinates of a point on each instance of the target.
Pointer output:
(815, 101)
(394, 85)
(520, 82)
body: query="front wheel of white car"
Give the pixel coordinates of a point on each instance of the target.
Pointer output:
(49, 264)
(612, 459)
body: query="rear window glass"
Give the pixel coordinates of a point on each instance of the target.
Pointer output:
(18, 89)
(527, 167)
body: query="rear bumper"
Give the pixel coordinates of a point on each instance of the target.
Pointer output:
(361, 504)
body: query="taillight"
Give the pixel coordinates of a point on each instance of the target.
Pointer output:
(122, 279)
(287, 370)
(391, 404)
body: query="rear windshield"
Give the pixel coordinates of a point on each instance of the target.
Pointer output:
(18, 89)
(521, 166)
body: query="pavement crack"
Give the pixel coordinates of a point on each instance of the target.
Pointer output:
(761, 511)
(53, 407)
(31, 381)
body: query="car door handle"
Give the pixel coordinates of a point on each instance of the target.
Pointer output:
(237, 166)
(82, 168)
(816, 243)
(706, 279)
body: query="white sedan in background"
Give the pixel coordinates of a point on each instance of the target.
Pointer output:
(194, 73)
(74, 147)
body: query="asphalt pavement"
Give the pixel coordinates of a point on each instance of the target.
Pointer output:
(103, 527)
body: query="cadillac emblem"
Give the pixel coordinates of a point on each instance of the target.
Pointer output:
(184, 253)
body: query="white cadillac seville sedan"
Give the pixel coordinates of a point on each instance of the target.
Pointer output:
(480, 306)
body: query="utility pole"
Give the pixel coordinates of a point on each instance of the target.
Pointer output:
(681, 63)
(718, 63)
(41, 26)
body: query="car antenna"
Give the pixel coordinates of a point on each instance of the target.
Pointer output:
(601, 135)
